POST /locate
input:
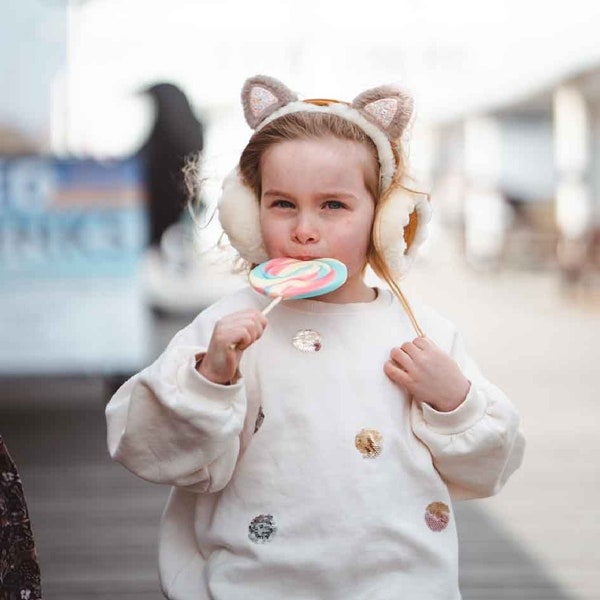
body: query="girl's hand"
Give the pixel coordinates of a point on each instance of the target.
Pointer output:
(231, 336)
(428, 374)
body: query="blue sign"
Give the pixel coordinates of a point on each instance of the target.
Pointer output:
(71, 218)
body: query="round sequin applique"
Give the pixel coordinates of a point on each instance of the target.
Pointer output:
(262, 529)
(437, 516)
(259, 419)
(369, 442)
(307, 340)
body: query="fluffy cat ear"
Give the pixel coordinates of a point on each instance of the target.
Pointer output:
(389, 107)
(261, 96)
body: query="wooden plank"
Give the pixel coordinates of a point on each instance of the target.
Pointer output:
(96, 524)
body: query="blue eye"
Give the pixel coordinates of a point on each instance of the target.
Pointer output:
(282, 204)
(334, 204)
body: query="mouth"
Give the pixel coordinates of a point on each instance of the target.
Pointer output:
(305, 257)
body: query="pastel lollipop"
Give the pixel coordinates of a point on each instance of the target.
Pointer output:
(291, 279)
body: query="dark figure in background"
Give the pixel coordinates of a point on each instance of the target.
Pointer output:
(19, 570)
(176, 134)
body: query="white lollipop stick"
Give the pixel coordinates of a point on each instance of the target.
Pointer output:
(265, 311)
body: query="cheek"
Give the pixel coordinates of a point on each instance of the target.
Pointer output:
(355, 235)
(361, 230)
(272, 232)
(356, 241)
(353, 247)
(364, 234)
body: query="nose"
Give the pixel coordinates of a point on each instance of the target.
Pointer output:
(305, 230)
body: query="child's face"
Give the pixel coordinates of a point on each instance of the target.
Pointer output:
(315, 202)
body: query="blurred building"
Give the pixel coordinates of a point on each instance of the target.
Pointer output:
(509, 142)
(521, 179)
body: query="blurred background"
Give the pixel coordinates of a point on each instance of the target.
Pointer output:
(101, 263)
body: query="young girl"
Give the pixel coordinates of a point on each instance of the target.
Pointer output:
(316, 454)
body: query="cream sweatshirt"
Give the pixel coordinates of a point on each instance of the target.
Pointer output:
(314, 476)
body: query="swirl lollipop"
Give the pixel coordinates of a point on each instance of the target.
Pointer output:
(291, 279)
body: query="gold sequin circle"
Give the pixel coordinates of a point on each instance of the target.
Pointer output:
(369, 442)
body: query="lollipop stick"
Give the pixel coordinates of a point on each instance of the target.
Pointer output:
(265, 311)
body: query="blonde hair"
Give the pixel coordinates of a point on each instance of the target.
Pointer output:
(314, 125)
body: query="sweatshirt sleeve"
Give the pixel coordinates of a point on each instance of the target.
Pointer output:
(478, 445)
(168, 424)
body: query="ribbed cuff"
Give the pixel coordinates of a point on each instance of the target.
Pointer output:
(461, 418)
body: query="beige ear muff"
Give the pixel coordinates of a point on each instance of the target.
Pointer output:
(239, 215)
(400, 228)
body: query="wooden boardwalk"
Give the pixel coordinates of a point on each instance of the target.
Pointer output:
(95, 524)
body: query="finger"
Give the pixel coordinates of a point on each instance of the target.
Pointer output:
(401, 358)
(410, 349)
(251, 319)
(234, 337)
(255, 315)
(245, 339)
(261, 322)
(239, 330)
(256, 327)
(422, 343)
(249, 332)
(396, 374)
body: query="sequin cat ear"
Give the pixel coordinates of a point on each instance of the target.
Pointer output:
(388, 107)
(262, 96)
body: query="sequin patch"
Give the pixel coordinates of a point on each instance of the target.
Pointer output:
(260, 99)
(369, 442)
(383, 110)
(259, 419)
(437, 516)
(307, 340)
(262, 529)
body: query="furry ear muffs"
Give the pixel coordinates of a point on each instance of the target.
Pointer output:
(390, 226)
(383, 113)
(240, 218)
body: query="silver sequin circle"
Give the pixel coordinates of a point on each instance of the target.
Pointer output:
(307, 340)
(262, 529)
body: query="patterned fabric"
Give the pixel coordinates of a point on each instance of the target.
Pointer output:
(19, 570)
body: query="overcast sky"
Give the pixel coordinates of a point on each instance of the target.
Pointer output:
(454, 56)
